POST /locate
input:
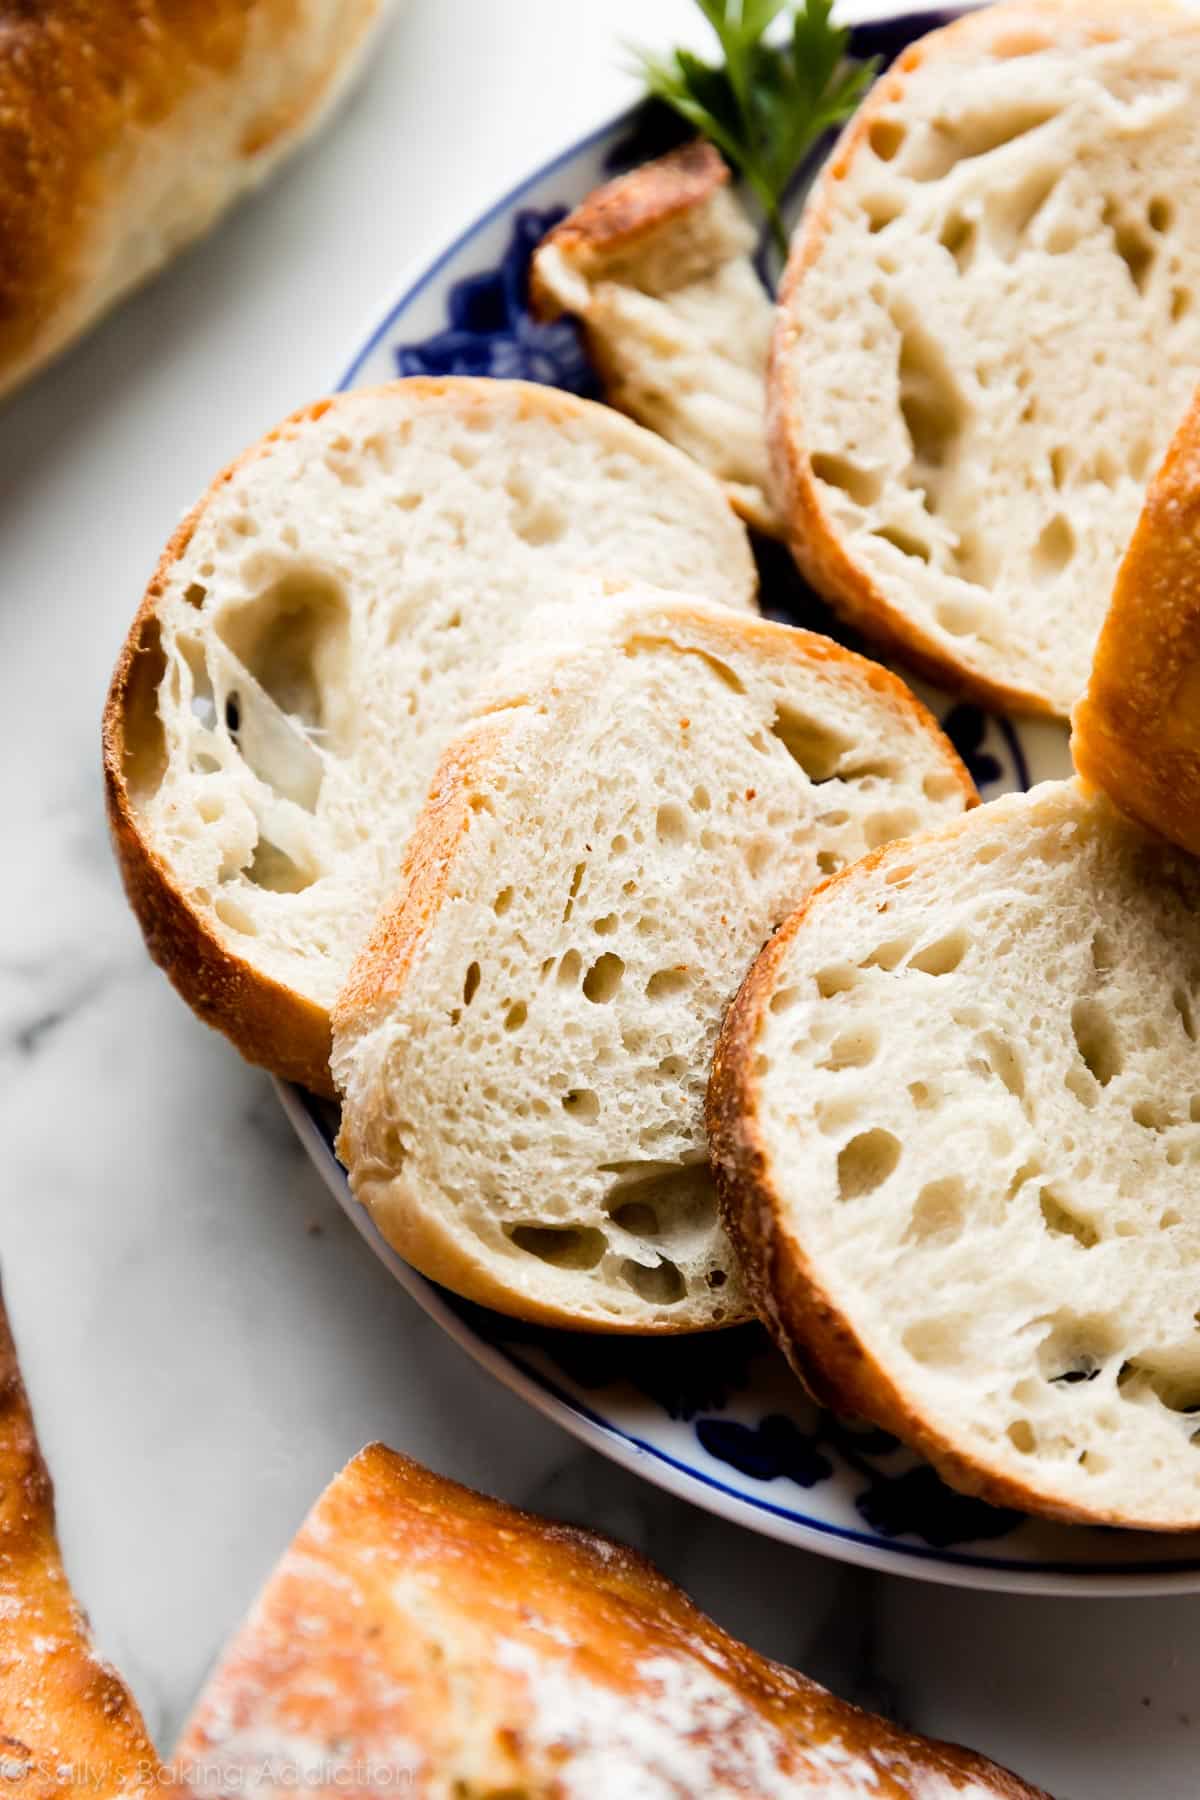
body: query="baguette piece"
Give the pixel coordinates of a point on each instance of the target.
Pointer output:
(314, 631)
(954, 1123)
(657, 267)
(128, 130)
(523, 1046)
(67, 1721)
(1137, 729)
(419, 1637)
(988, 329)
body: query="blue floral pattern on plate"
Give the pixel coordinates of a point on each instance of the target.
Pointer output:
(719, 1418)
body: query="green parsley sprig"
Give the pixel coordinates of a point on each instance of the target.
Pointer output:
(768, 101)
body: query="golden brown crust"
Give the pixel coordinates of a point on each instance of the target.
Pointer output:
(66, 1719)
(628, 211)
(1137, 729)
(89, 92)
(413, 1613)
(428, 881)
(1013, 28)
(815, 1336)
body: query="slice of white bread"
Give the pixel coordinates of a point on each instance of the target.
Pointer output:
(314, 631)
(1137, 729)
(418, 1638)
(955, 1121)
(988, 330)
(523, 1047)
(657, 266)
(67, 1721)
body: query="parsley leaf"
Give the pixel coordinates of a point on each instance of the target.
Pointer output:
(766, 103)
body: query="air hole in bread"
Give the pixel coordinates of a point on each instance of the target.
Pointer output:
(1160, 214)
(863, 486)
(1060, 466)
(470, 983)
(1054, 549)
(1004, 1061)
(144, 759)
(1172, 1376)
(1181, 304)
(573, 891)
(564, 1246)
(959, 236)
(670, 824)
(1013, 210)
(784, 999)
(930, 402)
(816, 746)
(1022, 1436)
(581, 1103)
(195, 594)
(1096, 1040)
(502, 902)
(852, 1049)
(889, 955)
(231, 912)
(941, 957)
(936, 1342)
(672, 1202)
(881, 209)
(273, 869)
(294, 640)
(885, 827)
(1151, 1115)
(885, 137)
(866, 1162)
(1181, 1000)
(516, 1016)
(664, 984)
(602, 980)
(944, 145)
(921, 1095)
(829, 862)
(907, 542)
(570, 968)
(1060, 1221)
(939, 1210)
(662, 1285)
(838, 978)
(1131, 244)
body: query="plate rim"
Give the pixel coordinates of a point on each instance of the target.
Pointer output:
(945, 1567)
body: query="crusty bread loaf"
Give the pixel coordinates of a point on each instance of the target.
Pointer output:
(954, 1120)
(522, 1049)
(419, 1638)
(127, 130)
(67, 1722)
(1137, 729)
(657, 266)
(989, 328)
(313, 632)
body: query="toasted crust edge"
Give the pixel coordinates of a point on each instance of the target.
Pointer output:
(1136, 733)
(630, 209)
(424, 885)
(817, 1339)
(811, 534)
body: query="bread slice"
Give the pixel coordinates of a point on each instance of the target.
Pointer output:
(1137, 729)
(988, 330)
(419, 1637)
(314, 631)
(523, 1047)
(657, 267)
(954, 1123)
(67, 1720)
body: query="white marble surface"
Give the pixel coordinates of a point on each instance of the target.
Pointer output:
(204, 1337)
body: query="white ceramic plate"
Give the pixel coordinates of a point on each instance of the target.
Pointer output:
(718, 1419)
